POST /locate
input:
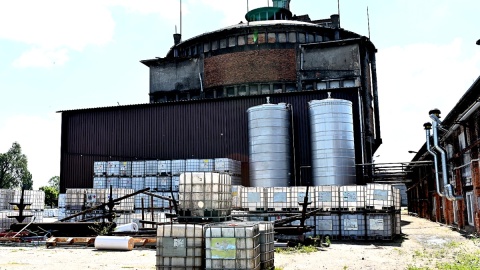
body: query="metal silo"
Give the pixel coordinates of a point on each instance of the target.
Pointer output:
(333, 150)
(269, 145)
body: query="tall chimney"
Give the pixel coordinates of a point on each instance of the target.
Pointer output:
(177, 38)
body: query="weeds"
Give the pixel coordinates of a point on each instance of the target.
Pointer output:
(451, 256)
(298, 249)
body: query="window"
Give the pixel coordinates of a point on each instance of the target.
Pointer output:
(292, 37)
(230, 91)
(334, 84)
(214, 45)
(277, 88)
(282, 37)
(242, 90)
(223, 43)
(261, 38)
(470, 209)
(308, 86)
(321, 85)
(290, 87)
(349, 83)
(265, 88)
(251, 39)
(206, 47)
(219, 93)
(271, 38)
(466, 171)
(310, 38)
(241, 40)
(455, 209)
(253, 89)
(301, 38)
(231, 42)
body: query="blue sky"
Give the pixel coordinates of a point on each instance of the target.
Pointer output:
(69, 54)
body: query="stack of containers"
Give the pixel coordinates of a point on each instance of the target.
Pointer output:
(6, 196)
(254, 199)
(230, 166)
(113, 174)
(237, 197)
(352, 208)
(399, 200)
(100, 174)
(180, 246)
(297, 198)
(164, 167)
(205, 196)
(61, 205)
(278, 199)
(232, 246)
(178, 167)
(381, 205)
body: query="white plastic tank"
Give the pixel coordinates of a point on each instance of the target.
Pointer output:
(231, 245)
(333, 147)
(269, 145)
(180, 246)
(205, 195)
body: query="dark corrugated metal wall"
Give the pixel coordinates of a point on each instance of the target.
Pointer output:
(181, 130)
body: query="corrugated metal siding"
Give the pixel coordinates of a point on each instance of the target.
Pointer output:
(196, 129)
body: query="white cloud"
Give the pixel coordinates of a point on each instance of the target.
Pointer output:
(41, 57)
(413, 80)
(39, 137)
(54, 27)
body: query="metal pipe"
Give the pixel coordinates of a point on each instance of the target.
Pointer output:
(448, 188)
(427, 127)
(463, 117)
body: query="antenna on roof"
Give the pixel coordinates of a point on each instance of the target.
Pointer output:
(180, 17)
(247, 7)
(368, 20)
(338, 8)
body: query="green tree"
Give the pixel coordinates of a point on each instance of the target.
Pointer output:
(51, 196)
(14, 169)
(52, 191)
(54, 182)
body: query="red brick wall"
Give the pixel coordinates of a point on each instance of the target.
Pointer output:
(250, 66)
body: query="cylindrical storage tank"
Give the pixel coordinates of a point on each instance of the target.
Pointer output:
(333, 148)
(269, 145)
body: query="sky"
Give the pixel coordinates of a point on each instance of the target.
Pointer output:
(72, 54)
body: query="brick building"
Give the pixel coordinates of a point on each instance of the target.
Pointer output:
(200, 91)
(458, 137)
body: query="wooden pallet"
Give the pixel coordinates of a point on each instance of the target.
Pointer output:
(90, 241)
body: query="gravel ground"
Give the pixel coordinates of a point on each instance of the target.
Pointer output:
(424, 243)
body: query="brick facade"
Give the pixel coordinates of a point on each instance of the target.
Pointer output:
(250, 66)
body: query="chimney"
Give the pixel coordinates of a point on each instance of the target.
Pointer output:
(335, 18)
(177, 38)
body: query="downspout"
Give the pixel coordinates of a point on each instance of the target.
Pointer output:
(447, 187)
(427, 127)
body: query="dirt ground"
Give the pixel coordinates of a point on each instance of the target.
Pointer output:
(424, 244)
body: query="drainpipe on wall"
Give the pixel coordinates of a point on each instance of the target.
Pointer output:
(427, 127)
(447, 187)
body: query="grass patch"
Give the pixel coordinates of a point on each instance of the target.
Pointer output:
(298, 249)
(451, 256)
(463, 261)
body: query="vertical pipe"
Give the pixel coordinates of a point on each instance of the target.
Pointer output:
(428, 126)
(448, 189)
(376, 108)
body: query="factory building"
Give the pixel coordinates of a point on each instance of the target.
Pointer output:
(448, 190)
(206, 93)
